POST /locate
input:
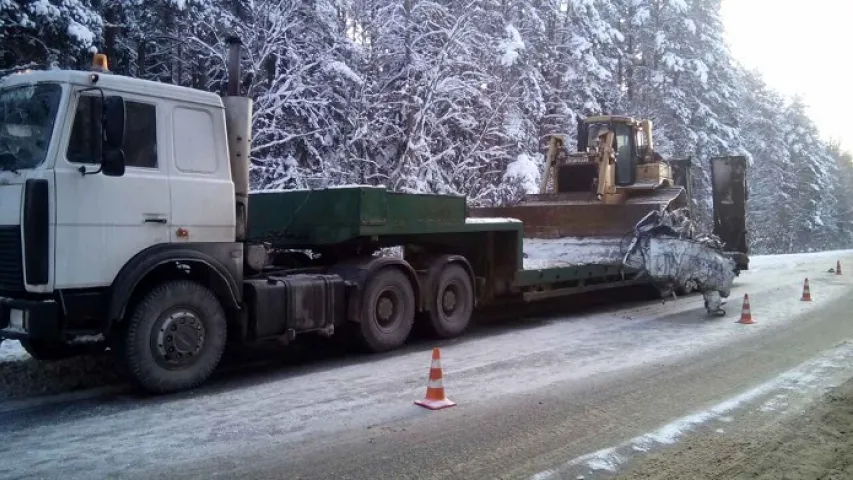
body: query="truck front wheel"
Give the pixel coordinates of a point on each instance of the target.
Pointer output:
(174, 338)
(387, 310)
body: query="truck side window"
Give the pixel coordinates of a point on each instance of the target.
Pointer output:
(82, 146)
(195, 149)
(140, 141)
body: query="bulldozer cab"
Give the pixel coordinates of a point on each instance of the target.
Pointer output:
(624, 145)
(612, 153)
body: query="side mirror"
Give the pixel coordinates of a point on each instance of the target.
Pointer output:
(112, 164)
(114, 122)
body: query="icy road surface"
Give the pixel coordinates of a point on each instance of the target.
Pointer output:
(555, 398)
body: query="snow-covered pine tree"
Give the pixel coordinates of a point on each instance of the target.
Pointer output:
(427, 100)
(769, 176)
(841, 184)
(46, 34)
(813, 169)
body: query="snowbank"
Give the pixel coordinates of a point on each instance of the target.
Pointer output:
(487, 220)
(572, 251)
(12, 351)
(761, 262)
(21, 375)
(329, 187)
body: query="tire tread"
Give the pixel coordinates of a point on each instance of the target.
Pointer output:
(152, 304)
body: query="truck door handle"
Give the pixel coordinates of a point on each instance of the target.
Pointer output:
(155, 218)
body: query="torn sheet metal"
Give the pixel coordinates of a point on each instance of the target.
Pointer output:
(666, 249)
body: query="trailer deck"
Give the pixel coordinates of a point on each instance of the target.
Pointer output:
(305, 219)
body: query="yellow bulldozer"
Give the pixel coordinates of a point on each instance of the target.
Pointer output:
(603, 188)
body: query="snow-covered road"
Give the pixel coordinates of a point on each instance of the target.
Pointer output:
(499, 378)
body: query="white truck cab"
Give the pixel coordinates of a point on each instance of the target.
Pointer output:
(178, 193)
(104, 181)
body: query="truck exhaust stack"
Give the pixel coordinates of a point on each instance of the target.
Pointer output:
(238, 122)
(233, 66)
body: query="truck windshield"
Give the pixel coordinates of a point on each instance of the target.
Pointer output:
(27, 115)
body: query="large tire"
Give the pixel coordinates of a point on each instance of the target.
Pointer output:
(174, 337)
(53, 351)
(387, 310)
(453, 302)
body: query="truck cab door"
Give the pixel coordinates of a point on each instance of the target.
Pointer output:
(202, 192)
(101, 221)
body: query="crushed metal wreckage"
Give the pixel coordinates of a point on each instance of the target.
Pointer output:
(666, 248)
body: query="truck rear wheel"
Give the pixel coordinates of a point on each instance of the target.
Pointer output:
(387, 310)
(453, 303)
(174, 338)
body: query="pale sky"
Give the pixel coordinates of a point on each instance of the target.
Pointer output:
(801, 47)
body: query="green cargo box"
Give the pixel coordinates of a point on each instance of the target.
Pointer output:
(310, 218)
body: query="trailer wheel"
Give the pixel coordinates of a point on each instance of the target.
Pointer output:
(453, 303)
(174, 338)
(387, 310)
(52, 351)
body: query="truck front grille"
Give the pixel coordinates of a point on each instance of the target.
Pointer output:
(11, 260)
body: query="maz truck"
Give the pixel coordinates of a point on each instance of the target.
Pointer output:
(126, 218)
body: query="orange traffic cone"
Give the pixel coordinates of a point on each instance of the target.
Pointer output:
(807, 293)
(746, 313)
(838, 268)
(435, 399)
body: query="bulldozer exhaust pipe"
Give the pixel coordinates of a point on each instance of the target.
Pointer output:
(647, 129)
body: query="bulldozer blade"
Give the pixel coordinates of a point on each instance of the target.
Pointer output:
(572, 215)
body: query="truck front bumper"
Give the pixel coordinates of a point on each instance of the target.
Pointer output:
(39, 319)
